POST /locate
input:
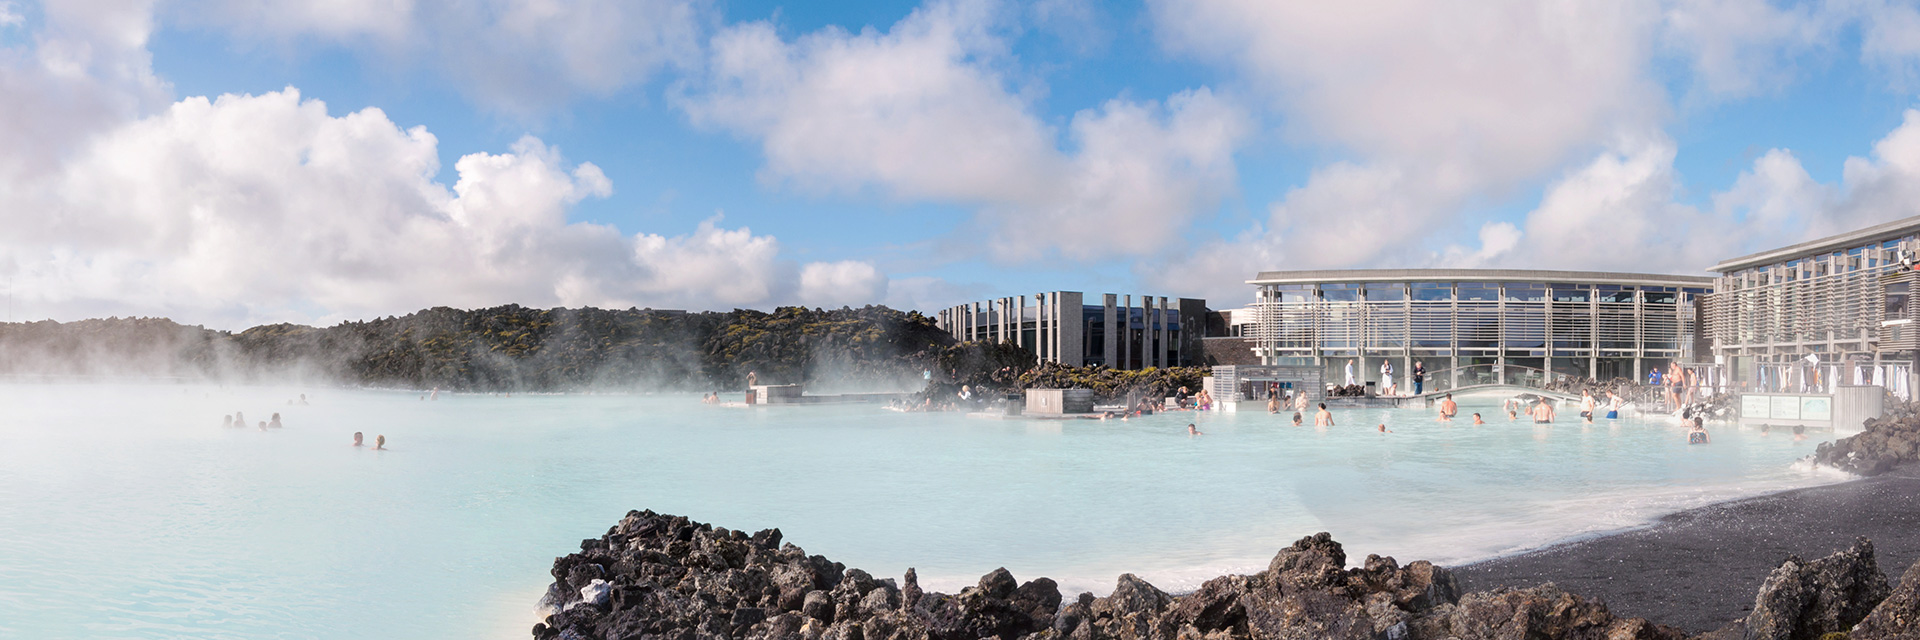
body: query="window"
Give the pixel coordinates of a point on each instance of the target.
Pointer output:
(1477, 291)
(1660, 297)
(1525, 292)
(1339, 295)
(1615, 293)
(1571, 293)
(1433, 291)
(1896, 294)
(1386, 292)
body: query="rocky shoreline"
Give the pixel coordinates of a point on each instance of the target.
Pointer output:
(670, 578)
(1886, 443)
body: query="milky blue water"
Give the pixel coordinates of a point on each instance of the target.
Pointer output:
(127, 511)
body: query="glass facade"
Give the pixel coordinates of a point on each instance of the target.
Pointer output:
(1480, 329)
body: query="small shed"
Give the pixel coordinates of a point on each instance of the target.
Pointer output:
(1059, 401)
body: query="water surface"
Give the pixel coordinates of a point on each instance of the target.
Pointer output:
(126, 511)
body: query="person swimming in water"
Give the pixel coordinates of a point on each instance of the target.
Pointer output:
(1296, 418)
(274, 423)
(1614, 402)
(358, 440)
(1324, 418)
(1448, 408)
(226, 421)
(1383, 428)
(1193, 431)
(1477, 420)
(239, 419)
(1587, 406)
(303, 399)
(380, 443)
(263, 425)
(1698, 435)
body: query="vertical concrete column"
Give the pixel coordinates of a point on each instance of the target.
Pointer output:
(1109, 350)
(1546, 333)
(1126, 331)
(1166, 335)
(1058, 312)
(1500, 344)
(1593, 329)
(1009, 321)
(999, 319)
(1153, 333)
(1639, 331)
(1020, 324)
(1072, 316)
(1040, 339)
(1453, 332)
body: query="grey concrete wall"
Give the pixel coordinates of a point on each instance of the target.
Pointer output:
(1112, 351)
(1073, 329)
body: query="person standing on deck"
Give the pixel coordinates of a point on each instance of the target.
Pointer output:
(1386, 377)
(1349, 373)
(1419, 377)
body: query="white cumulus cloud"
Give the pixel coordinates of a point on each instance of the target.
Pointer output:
(244, 209)
(921, 113)
(848, 282)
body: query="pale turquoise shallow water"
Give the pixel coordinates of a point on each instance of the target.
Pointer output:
(126, 511)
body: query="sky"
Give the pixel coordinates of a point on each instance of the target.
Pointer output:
(239, 162)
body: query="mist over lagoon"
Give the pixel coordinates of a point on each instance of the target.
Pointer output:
(129, 509)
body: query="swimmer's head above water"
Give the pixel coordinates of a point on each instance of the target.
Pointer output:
(358, 440)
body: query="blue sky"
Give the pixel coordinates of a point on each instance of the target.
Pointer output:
(686, 154)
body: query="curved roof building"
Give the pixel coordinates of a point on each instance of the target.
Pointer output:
(1475, 326)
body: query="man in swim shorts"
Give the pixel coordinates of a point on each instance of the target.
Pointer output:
(1448, 408)
(1587, 405)
(1614, 402)
(1542, 412)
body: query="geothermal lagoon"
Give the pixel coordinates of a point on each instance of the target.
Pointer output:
(127, 511)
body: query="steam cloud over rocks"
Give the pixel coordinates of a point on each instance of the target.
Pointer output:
(503, 348)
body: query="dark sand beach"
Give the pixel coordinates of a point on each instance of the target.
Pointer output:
(1699, 569)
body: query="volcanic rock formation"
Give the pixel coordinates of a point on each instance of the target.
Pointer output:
(666, 577)
(1886, 443)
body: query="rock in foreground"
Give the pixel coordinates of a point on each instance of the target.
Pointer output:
(666, 577)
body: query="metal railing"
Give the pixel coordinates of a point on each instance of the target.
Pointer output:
(1483, 375)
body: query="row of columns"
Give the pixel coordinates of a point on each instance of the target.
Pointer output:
(1060, 331)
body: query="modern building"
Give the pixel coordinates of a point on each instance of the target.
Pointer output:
(1122, 331)
(1473, 326)
(1831, 310)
